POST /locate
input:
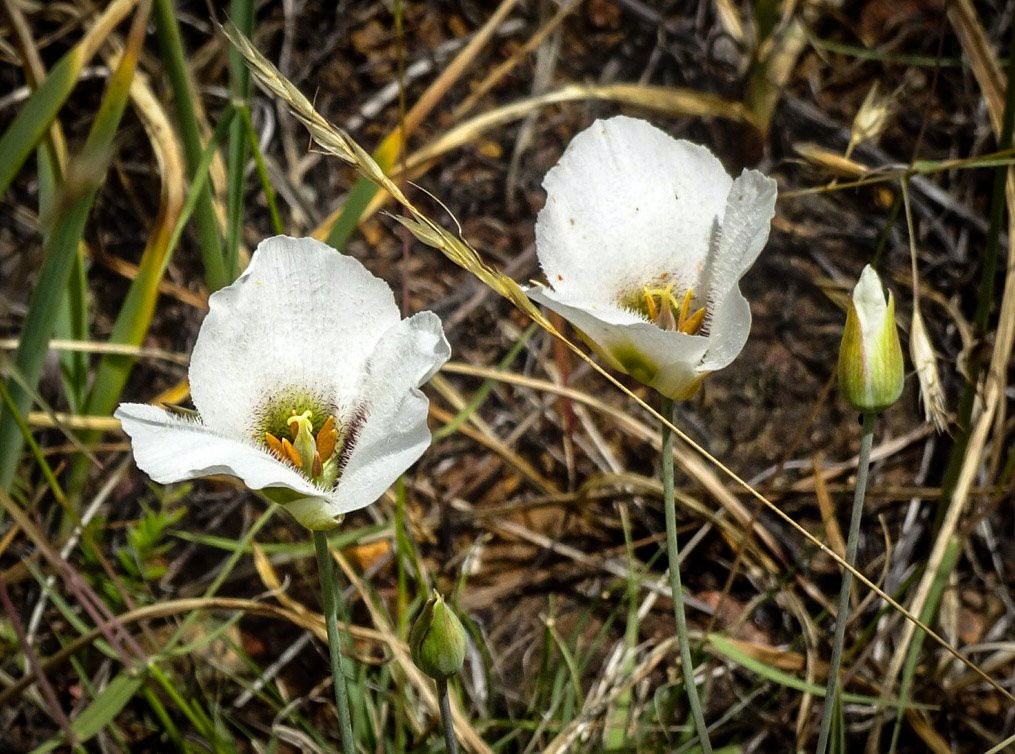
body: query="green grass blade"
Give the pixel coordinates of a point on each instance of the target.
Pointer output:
(192, 711)
(206, 223)
(620, 716)
(107, 704)
(355, 204)
(573, 673)
(35, 117)
(39, 323)
(35, 450)
(241, 13)
(72, 324)
(159, 710)
(730, 651)
(72, 318)
(262, 172)
(102, 710)
(72, 209)
(866, 53)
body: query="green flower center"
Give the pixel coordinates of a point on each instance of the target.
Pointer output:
(273, 415)
(303, 430)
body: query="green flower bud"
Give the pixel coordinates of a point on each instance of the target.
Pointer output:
(870, 358)
(437, 640)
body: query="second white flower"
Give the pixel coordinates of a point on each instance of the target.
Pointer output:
(643, 241)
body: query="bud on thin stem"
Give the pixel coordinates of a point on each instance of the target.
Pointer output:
(870, 357)
(437, 640)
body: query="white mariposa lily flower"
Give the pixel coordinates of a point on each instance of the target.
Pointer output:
(643, 241)
(306, 383)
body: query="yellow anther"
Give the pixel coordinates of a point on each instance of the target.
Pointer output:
(274, 445)
(693, 323)
(685, 305)
(666, 311)
(650, 304)
(314, 457)
(326, 438)
(290, 454)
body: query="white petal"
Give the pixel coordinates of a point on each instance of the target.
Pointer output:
(730, 326)
(605, 311)
(665, 360)
(871, 307)
(394, 433)
(626, 203)
(302, 317)
(171, 448)
(746, 221)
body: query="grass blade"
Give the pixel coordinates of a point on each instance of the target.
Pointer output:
(139, 307)
(206, 222)
(262, 172)
(103, 709)
(38, 112)
(72, 317)
(242, 14)
(73, 207)
(731, 651)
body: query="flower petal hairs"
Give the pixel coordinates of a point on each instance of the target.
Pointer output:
(306, 383)
(643, 241)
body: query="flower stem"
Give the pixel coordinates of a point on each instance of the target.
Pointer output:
(449, 726)
(331, 596)
(842, 615)
(673, 554)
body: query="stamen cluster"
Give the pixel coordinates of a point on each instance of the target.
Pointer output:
(314, 456)
(663, 309)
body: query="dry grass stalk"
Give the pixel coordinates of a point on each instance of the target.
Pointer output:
(921, 351)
